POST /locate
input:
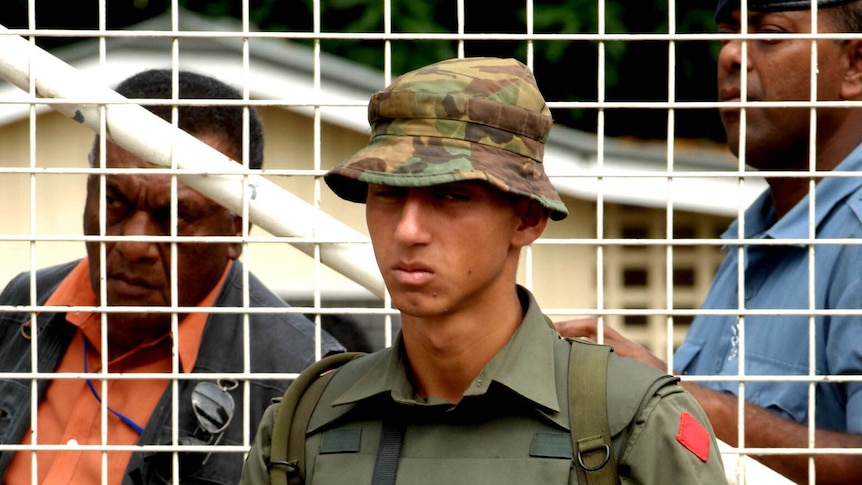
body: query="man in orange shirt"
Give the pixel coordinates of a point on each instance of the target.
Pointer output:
(138, 273)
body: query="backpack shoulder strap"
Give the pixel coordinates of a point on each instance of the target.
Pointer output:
(287, 452)
(588, 415)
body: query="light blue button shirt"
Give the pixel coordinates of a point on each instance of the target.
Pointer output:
(777, 277)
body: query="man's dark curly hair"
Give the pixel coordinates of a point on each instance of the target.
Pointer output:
(198, 119)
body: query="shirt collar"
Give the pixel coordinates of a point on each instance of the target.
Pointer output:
(76, 291)
(760, 216)
(525, 365)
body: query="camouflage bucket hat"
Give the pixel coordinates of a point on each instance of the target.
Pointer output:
(461, 119)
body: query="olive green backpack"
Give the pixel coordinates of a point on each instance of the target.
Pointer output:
(591, 440)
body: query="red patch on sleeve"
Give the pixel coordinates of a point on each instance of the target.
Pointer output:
(693, 436)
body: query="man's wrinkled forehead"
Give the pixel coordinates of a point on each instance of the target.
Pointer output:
(725, 7)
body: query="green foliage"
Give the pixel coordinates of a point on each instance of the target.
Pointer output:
(567, 70)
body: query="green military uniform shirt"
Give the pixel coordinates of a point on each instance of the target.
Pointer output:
(511, 426)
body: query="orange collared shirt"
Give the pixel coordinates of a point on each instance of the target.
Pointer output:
(70, 414)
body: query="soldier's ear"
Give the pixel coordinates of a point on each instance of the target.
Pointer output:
(533, 220)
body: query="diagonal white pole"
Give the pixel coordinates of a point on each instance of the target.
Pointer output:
(211, 173)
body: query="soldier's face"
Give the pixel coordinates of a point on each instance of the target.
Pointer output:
(443, 248)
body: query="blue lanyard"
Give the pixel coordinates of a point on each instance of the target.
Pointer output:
(126, 420)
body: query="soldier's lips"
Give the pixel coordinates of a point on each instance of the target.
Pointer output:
(412, 277)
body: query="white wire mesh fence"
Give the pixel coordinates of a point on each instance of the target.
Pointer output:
(639, 251)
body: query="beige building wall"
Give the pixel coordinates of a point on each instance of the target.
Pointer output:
(55, 215)
(562, 268)
(631, 260)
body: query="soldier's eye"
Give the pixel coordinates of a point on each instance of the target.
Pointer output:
(454, 195)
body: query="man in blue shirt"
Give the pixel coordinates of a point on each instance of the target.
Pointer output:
(783, 275)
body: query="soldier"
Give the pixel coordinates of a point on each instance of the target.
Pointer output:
(474, 388)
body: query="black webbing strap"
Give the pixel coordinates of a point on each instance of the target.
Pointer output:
(588, 415)
(386, 467)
